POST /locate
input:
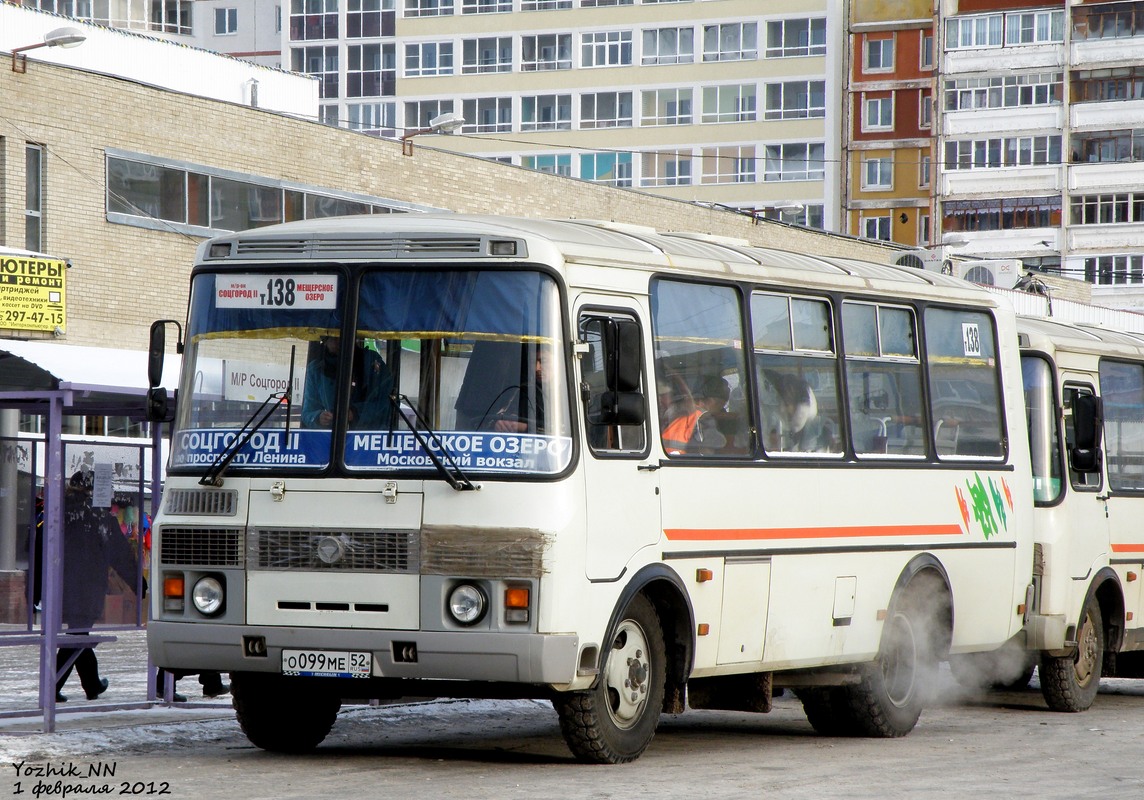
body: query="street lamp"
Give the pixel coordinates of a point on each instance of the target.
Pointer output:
(442, 123)
(60, 37)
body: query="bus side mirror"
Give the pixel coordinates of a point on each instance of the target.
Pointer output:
(622, 339)
(622, 408)
(156, 352)
(158, 407)
(1088, 423)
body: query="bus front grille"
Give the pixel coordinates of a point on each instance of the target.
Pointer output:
(202, 502)
(203, 547)
(338, 550)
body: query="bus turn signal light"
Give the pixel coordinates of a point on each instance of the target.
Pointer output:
(173, 589)
(516, 601)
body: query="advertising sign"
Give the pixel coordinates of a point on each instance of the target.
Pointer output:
(32, 293)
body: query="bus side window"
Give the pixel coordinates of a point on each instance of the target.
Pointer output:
(1090, 480)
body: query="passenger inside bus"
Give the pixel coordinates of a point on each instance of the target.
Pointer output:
(370, 385)
(701, 432)
(797, 427)
(501, 393)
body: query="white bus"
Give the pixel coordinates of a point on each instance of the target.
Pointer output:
(630, 472)
(1084, 394)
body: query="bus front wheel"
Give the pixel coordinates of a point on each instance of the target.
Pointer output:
(281, 715)
(1070, 683)
(614, 722)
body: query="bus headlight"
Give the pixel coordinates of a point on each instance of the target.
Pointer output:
(208, 595)
(467, 604)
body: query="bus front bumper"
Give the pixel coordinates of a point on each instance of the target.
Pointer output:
(450, 655)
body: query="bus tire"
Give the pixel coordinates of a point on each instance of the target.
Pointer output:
(892, 691)
(281, 717)
(1069, 683)
(826, 709)
(614, 722)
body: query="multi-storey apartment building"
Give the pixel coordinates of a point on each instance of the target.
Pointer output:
(889, 121)
(730, 102)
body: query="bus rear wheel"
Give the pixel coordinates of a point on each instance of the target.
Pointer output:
(1070, 683)
(614, 722)
(892, 691)
(280, 715)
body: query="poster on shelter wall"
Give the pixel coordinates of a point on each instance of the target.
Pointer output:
(33, 294)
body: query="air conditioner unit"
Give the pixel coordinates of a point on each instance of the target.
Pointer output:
(931, 259)
(1001, 272)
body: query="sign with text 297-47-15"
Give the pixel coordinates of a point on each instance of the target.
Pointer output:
(32, 295)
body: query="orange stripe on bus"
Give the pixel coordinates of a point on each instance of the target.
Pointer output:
(1128, 548)
(710, 534)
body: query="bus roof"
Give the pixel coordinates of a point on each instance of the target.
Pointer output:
(443, 236)
(1049, 335)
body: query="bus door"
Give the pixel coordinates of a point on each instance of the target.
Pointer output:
(1088, 505)
(1122, 394)
(621, 486)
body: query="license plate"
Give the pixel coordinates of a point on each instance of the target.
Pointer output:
(327, 663)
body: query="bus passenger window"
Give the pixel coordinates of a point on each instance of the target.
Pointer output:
(883, 376)
(965, 398)
(797, 371)
(699, 369)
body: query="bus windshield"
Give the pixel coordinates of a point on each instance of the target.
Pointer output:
(456, 365)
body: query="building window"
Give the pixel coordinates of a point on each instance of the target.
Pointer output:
(225, 21)
(322, 63)
(1011, 151)
(796, 100)
(544, 5)
(555, 164)
(363, 72)
(606, 110)
(1104, 146)
(172, 16)
(142, 190)
(925, 167)
(788, 38)
(614, 169)
(927, 50)
(923, 229)
(730, 164)
(878, 173)
(729, 103)
(487, 115)
(665, 168)
(427, 8)
(1107, 209)
(34, 197)
(1113, 270)
(794, 161)
(363, 18)
(428, 58)
(603, 3)
(666, 107)
(1034, 27)
(876, 228)
(491, 54)
(668, 46)
(878, 55)
(979, 30)
(1108, 21)
(606, 49)
(878, 114)
(418, 113)
(1001, 214)
(328, 115)
(810, 216)
(376, 119)
(486, 6)
(1004, 91)
(311, 20)
(546, 112)
(1101, 85)
(546, 51)
(925, 110)
(735, 41)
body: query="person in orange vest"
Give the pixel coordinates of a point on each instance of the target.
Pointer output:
(697, 432)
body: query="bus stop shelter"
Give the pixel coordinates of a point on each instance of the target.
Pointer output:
(54, 381)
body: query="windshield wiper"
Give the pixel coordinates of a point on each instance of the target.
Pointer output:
(453, 474)
(213, 475)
